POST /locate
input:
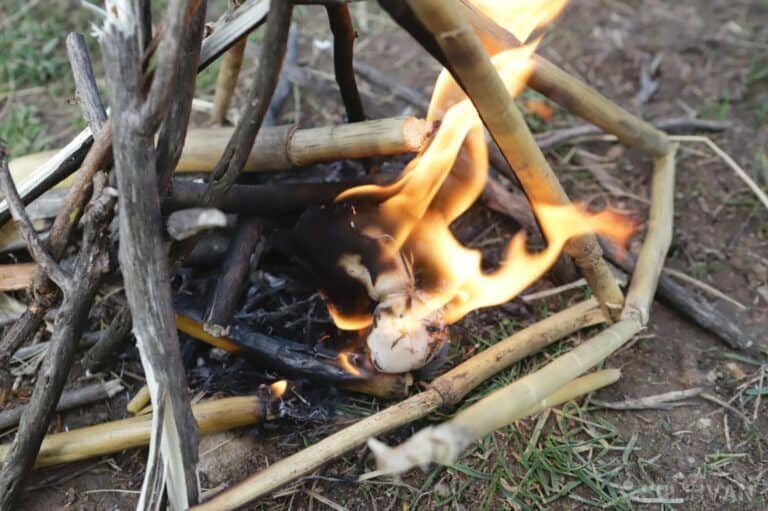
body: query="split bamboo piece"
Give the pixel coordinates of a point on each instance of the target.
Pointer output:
(571, 93)
(16, 276)
(281, 148)
(226, 81)
(111, 437)
(139, 401)
(480, 80)
(426, 450)
(444, 443)
(446, 390)
(658, 238)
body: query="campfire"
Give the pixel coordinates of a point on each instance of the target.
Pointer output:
(353, 282)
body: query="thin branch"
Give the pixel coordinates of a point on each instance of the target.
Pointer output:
(233, 277)
(173, 131)
(236, 153)
(36, 249)
(85, 82)
(343, 57)
(91, 264)
(169, 57)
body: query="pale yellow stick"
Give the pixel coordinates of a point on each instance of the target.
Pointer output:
(658, 238)
(139, 401)
(480, 80)
(227, 80)
(395, 461)
(447, 389)
(111, 437)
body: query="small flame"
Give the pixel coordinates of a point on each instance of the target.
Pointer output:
(347, 365)
(442, 182)
(278, 388)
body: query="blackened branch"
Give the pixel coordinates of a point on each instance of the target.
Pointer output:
(343, 55)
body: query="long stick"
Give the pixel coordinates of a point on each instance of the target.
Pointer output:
(297, 359)
(473, 70)
(111, 437)
(136, 117)
(445, 390)
(232, 162)
(281, 148)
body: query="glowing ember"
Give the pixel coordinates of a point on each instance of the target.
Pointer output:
(441, 183)
(278, 388)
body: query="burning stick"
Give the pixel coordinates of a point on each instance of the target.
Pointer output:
(443, 443)
(465, 57)
(446, 390)
(573, 94)
(111, 437)
(300, 360)
(286, 147)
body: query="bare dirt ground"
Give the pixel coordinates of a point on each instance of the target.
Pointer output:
(709, 58)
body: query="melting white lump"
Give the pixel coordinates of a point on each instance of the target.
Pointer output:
(401, 337)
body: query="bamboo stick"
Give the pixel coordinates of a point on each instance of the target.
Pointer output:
(445, 390)
(283, 147)
(476, 74)
(658, 238)
(111, 437)
(425, 450)
(226, 81)
(571, 93)
(444, 443)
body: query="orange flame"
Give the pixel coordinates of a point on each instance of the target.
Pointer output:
(278, 388)
(347, 364)
(448, 176)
